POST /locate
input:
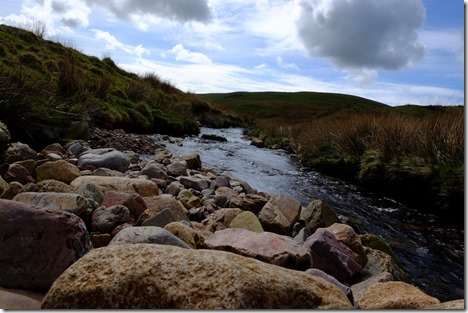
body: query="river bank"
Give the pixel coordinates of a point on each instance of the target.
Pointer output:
(116, 200)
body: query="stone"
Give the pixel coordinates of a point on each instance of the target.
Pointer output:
(195, 183)
(177, 168)
(220, 219)
(317, 214)
(257, 142)
(449, 305)
(68, 202)
(119, 228)
(18, 151)
(114, 160)
(133, 201)
(253, 203)
(147, 234)
(279, 214)
(360, 288)
(104, 220)
(188, 199)
(329, 256)
(4, 140)
(53, 148)
(161, 154)
(53, 157)
(38, 244)
(51, 185)
(143, 187)
(77, 148)
(379, 262)
(90, 191)
(102, 171)
(247, 220)
(225, 197)
(57, 170)
(346, 290)
(154, 170)
(193, 161)
(213, 137)
(302, 236)
(158, 203)
(395, 295)
(161, 219)
(13, 189)
(267, 247)
(174, 188)
(100, 240)
(18, 173)
(17, 299)
(351, 241)
(188, 235)
(142, 276)
(221, 181)
(3, 185)
(30, 165)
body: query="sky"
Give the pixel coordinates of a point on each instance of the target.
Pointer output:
(392, 51)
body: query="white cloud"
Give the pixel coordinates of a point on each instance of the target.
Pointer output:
(182, 54)
(287, 66)
(112, 43)
(363, 33)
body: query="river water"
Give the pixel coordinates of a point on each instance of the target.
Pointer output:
(430, 249)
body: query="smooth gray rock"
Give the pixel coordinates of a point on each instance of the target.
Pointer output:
(147, 234)
(105, 220)
(114, 160)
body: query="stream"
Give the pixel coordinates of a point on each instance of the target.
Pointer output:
(430, 249)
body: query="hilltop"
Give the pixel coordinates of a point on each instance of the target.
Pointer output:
(52, 92)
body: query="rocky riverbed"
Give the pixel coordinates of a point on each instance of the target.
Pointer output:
(91, 225)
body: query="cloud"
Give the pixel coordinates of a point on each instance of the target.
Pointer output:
(182, 54)
(179, 10)
(366, 34)
(287, 66)
(112, 43)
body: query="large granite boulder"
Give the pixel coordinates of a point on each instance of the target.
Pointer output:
(38, 244)
(279, 214)
(268, 247)
(329, 256)
(142, 276)
(69, 202)
(350, 240)
(144, 187)
(60, 170)
(147, 234)
(360, 288)
(393, 295)
(107, 158)
(18, 151)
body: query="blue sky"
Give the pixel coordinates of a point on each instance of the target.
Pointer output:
(392, 51)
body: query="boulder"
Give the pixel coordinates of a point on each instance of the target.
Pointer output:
(247, 220)
(302, 235)
(158, 203)
(17, 299)
(51, 185)
(100, 240)
(213, 137)
(3, 185)
(174, 188)
(195, 183)
(188, 199)
(13, 189)
(89, 190)
(142, 276)
(329, 256)
(253, 203)
(53, 148)
(161, 155)
(145, 188)
(449, 305)
(4, 140)
(360, 288)
(111, 159)
(220, 219)
(133, 201)
(68, 202)
(318, 214)
(38, 244)
(177, 168)
(161, 219)
(267, 247)
(102, 171)
(18, 173)
(346, 290)
(350, 240)
(154, 170)
(193, 161)
(395, 295)
(279, 214)
(380, 262)
(225, 197)
(18, 151)
(186, 234)
(147, 234)
(57, 170)
(77, 148)
(105, 220)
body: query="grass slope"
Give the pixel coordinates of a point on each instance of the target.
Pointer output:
(52, 92)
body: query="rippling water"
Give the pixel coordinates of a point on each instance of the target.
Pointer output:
(431, 249)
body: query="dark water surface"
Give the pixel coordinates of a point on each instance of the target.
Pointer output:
(431, 249)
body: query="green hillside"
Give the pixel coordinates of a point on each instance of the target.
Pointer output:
(52, 92)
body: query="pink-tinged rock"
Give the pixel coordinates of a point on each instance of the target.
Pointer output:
(38, 244)
(227, 198)
(347, 291)
(279, 214)
(18, 299)
(105, 220)
(133, 201)
(220, 219)
(144, 187)
(193, 161)
(350, 240)
(267, 247)
(329, 256)
(195, 183)
(158, 203)
(18, 173)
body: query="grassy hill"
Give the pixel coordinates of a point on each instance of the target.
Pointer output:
(52, 92)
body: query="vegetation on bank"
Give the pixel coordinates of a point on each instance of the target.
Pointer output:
(51, 92)
(412, 153)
